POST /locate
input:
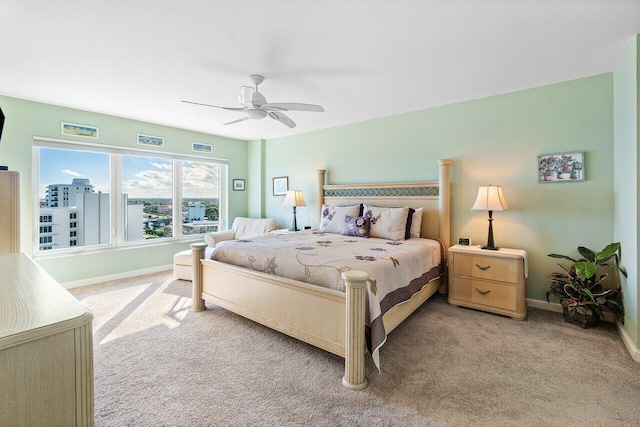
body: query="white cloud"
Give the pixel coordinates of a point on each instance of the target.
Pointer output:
(200, 180)
(162, 165)
(70, 172)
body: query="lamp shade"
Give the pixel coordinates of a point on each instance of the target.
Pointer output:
(294, 198)
(490, 198)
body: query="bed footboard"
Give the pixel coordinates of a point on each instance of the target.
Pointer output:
(343, 316)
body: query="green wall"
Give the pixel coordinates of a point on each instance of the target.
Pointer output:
(255, 178)
(626, 158)
(492, 140)
(26, 119)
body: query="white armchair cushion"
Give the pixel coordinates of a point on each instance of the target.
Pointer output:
(248, 227)
(212, 238)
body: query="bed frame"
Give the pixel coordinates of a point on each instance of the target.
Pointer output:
(325, 318)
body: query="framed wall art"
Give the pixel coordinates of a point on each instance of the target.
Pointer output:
(280, 185)
(561, 167)
(238, 185)
(84, 131)
(152, 141)
(197, 147)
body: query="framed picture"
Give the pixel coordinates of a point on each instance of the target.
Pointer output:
(238, 185)
(280, 185)
(84, 131)
(196, 147)
(153, 141)
(561, 167)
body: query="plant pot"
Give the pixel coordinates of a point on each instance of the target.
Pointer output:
(582, 320)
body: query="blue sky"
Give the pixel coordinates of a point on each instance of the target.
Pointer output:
(141, 176)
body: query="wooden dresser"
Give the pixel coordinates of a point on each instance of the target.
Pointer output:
(9, 212)
(488, 280)
(46, 349)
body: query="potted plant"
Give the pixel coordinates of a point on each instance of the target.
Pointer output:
(579, 288)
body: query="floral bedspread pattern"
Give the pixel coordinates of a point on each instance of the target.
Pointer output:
(397, 269)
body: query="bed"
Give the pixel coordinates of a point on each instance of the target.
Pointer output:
(331, 319)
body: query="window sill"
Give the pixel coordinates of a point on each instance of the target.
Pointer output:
(106, 249)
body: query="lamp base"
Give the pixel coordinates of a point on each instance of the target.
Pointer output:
(489, 248)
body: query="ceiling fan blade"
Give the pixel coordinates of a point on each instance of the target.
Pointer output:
(215, 106)
(258, 99)
(292, 106)
(236, 121)
(282, 119)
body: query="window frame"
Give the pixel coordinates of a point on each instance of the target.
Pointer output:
(116, 222)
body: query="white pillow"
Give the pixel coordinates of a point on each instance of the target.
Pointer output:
(332, 217)
(416, 223)
(387, 223)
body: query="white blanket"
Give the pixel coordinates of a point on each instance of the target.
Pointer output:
(397, 269)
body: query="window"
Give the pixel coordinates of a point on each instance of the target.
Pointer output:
(99, 197)
(147, 187)
(200, 197)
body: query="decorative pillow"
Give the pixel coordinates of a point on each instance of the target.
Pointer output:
(387, 223)
(416, 223)
(332, 217)
(356, 226)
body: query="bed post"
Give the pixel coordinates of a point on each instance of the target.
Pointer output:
(321, 173)
(197, 254)
(444, 208)
(445, 202)
(356, 297)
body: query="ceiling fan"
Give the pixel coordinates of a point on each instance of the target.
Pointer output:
(255, 105)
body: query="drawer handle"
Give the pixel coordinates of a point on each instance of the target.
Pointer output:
(482, 292)
(483, 268)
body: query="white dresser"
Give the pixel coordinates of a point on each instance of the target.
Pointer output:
(46, 349)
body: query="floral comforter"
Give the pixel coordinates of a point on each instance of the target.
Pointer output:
(397, 269)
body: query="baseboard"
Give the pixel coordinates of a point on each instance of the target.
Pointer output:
(543, 305)
(626, 339)
(628, 342)
(117, 276)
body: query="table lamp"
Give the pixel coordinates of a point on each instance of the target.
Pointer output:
(490, 199)
(294, 198)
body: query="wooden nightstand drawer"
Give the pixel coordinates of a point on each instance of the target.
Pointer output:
(490, 294)
(485, 267)
(492, 281)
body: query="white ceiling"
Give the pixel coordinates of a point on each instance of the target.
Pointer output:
(359, 59)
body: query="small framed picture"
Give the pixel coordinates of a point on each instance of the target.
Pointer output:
(561, 167)
(197, 147)
(153, 141)
(280, 185)
(84, 131)
(238, 185)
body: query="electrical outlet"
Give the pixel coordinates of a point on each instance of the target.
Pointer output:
(147, 255)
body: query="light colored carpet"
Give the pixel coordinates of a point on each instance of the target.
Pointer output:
(158, 364)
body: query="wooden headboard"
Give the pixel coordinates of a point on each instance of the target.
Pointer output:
(433, 196)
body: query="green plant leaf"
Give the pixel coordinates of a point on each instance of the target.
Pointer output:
(571, 291)
(623, 271)
(562, 257)
(588, 293)
(585, 270)
(609, 251)
(587, 253)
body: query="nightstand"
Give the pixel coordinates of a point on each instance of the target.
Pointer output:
(492, 281)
